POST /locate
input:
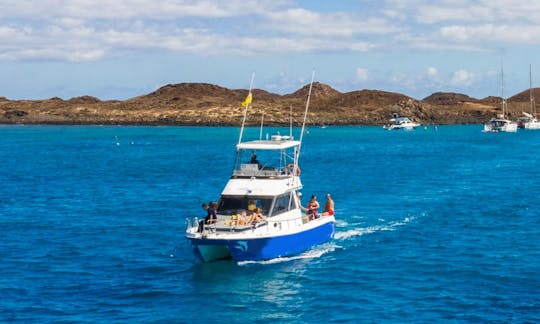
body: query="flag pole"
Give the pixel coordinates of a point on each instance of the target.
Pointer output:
(245, 110)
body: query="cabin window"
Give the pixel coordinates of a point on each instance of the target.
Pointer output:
(283, 204)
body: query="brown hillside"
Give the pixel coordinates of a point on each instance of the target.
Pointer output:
(524, 96)
(318, 91)
(448, 98)
(208, 104)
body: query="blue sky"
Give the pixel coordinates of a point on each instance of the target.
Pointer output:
(125, 48)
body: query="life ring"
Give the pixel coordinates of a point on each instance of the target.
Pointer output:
(293, 167)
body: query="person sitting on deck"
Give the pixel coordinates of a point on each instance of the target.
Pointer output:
(254, 160)
(329, 206)
(211, 216)
(255, 217)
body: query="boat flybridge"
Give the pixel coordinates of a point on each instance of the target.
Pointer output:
(265, 178)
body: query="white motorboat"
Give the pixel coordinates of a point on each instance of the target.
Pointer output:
(495, 125)
(271, 184)
(401, 123)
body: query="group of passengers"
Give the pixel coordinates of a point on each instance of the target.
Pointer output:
(312, 208)
(241, 219)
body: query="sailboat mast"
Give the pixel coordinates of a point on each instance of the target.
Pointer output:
(531, 98)
(502, 93)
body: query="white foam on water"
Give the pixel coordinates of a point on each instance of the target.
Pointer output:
(314, 253)
(341, 223)
(391, 226)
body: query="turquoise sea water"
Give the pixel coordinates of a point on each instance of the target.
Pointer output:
(433, 225)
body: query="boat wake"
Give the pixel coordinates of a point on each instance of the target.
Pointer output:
(355, 232)
(314, 253)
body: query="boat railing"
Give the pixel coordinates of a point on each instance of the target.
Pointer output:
(254, 170)
(271, 225)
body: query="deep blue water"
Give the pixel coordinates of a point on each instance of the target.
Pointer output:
(433, 225)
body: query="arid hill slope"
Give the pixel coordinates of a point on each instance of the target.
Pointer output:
(208, 104)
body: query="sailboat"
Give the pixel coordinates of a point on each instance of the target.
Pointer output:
(529, 121)
(501, 123)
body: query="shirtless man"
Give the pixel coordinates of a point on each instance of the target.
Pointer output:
(329, 206)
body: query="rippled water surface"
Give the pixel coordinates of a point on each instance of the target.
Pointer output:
(433, 225)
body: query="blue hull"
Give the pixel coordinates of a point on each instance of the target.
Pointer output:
(264, 248)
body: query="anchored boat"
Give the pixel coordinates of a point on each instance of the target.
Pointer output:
(399, 123)
(501, 123)
(529, 121)
(269, 186)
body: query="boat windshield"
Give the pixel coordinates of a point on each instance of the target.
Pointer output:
(402, 120)
(229, 205)
(498, 123)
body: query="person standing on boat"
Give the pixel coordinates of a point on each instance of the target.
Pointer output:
(212, 213)
(313, 207)
(329, 206)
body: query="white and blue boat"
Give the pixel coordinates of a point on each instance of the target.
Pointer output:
(272, 183)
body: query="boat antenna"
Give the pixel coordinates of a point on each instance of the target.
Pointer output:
(261, 131)
(246, 104)
(290, 125)
(305, 116)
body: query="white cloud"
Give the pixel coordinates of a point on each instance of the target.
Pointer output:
(495, 33)
(432, 72)
(82, 30)
(361, 74)
(301, 21)
(129, 9)
(462, 78)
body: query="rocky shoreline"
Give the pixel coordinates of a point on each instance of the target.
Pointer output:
(201, 104)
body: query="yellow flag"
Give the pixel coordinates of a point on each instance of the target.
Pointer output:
(247, 101)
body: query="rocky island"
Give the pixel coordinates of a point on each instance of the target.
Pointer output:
(212, 105)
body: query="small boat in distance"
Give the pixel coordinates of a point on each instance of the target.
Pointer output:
(501, 123)
(529, 121)
(268, 189)
(399, 123)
